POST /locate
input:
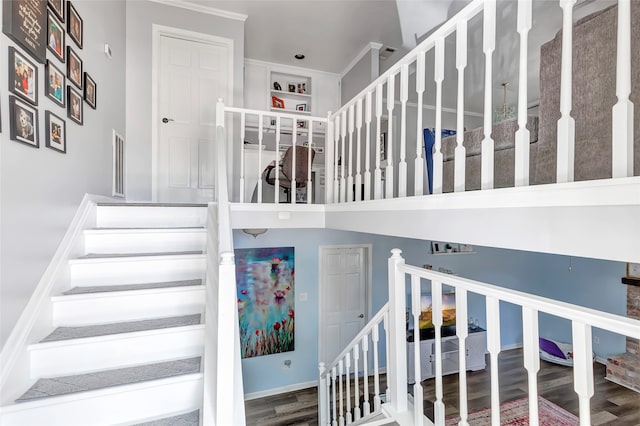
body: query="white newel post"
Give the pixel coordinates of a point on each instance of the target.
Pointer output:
(622, 123)
(522, 134)
(489, 45)
(566, 123)
(322, 395)
(396, 336)
(328, 161)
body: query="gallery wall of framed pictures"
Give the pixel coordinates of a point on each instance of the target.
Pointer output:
(56, 51)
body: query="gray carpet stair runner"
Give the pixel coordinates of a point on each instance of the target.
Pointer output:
(68, 333)
(130, 287)
(115, 255)
(64, 385)
(188, 419)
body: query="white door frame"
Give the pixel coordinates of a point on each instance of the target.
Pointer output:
(157, 32)
(368, 248)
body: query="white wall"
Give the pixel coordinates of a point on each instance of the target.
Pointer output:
(140, 16)
(358, 77)
(41, 188)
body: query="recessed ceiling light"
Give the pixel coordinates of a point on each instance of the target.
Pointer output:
(299, 56)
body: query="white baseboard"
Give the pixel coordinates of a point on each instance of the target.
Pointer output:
(282, 389)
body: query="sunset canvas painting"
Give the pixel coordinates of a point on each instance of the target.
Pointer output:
(265, 283)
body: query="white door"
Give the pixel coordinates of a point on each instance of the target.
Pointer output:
(343, 298)
(192, 75)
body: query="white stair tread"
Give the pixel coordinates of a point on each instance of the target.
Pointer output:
(187, 419)
(116, 255)
(68, 333)
(131, 287)
(58, 386)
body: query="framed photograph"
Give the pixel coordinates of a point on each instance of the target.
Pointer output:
(276, 102)
(23, 76)
(302, 88)
(465, 248)
(302, 124)
(56, 82)
(55, 37)
(25, 22)
(55, 132)
(291, 87)
(74, 67)
(57, 7)
(276, 86)
(74, 26)
(74, 105)
(383, 146)
(23, 122)
(90, 94)
(437, 247)
(301, 107)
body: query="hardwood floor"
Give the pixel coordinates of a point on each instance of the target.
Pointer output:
(611, 405)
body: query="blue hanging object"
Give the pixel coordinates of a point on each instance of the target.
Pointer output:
(429, 141)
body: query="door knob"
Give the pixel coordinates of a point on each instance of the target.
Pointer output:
(361, 316)
(165, 120)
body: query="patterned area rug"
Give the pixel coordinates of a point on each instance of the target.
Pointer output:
(516, 413)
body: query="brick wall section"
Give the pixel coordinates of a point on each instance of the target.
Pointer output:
(633, 311)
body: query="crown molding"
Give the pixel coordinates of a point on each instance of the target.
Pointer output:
(371, 46)
(203, 9)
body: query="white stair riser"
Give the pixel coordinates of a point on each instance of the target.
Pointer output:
(124, 306)
(115, 272)
(110, 352)
(111, 406)
(144, 242)
(150, 217)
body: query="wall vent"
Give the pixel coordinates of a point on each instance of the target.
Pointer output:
(118, 165)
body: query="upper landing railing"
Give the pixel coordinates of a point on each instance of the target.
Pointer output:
(354, 157)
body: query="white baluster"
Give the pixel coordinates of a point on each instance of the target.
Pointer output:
(242, 165)
(294, 136)
(343, 177)
(391, 87)
(396, 335)
(416, 310)
(358, 191)
(322, 395)
(335, 401)
(350, 177)
(260, 127)
(489, 45)
(366, 407)
(566, 123)
(459, 175)
(438, 405)
(385, 324)
(309, 163)
(341, 399)
(531, 351)
(328, 390)
(276, 187)
(356, 396)
(329, 164)
(404, 96)
(367, 148)
(583, 368)
(347, 364)
(493, 344)
(377, 185)
(437, 155)
(622, 123)
(418, 179)
(462, 332)
(336, 182)
(522, 134)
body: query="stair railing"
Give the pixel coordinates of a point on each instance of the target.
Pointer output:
(582, 320)
(223, 400)
(349, 387)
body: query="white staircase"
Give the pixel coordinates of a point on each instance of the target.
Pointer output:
(125, 336)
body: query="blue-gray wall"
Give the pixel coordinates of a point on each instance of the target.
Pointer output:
(591, 283)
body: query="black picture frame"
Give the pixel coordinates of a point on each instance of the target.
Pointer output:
(58, 8)
(55, 132)
(24, 22)
(23, 122)
(90, 91)
(74, 68)
(74, 105)
(56, 82)
(23, 76)
(55, 37)
(74, 25)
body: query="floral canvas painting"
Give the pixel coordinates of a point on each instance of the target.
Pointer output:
(265, 282)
